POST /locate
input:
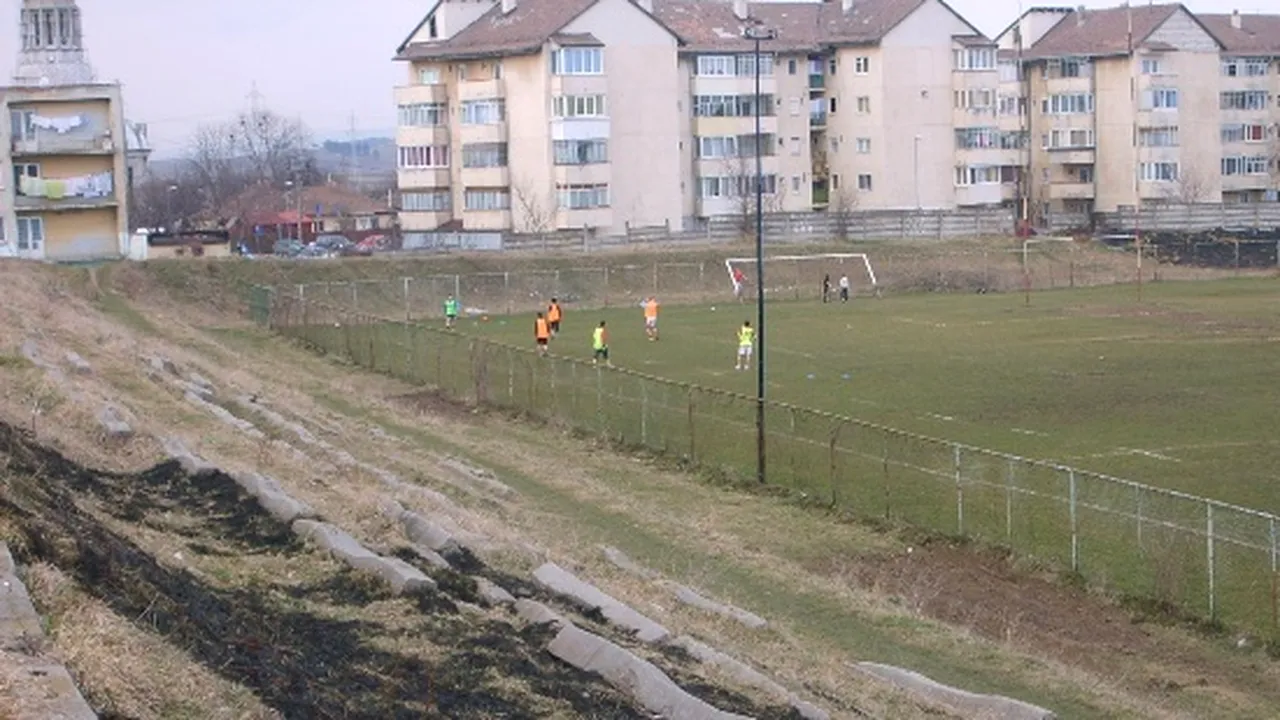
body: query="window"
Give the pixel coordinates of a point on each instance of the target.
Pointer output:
(573, 106)
(1245, 100)
(795, 183)
(1067, 104)
(1158, 171)
(1010, 71)
(22, 124)
(1245, 66)
(733, 146)
(429, 76)
(1083, 174)
(423, 115)
(433, 30)
(735, 186)
(791, 66)
(794, 106)
(1012, 105)
(714, 65)
(497, 69)
(1152, 66)
(864, 104)
(831, 67)
(425, 201)
(581, 152)
(424, 156)
(796, 147)
(1158, 136)
(974, 138)
(1059, 68)
(1067, 139)
(864, 182)
(747, 65)
(484, 112)
(484, 155)
(1160, 99)
(1244, 133)
(577, 61)
(835, 181)
(977, 58)
(486, 199)
(977, 175)
(582, 197)
(735, 65)
(731, 105)
(862, 65)
(1245, 165)
(30, 232)
(462, 72)
(976, 100)
(1014, 139)
(832, 103)
(863, 145)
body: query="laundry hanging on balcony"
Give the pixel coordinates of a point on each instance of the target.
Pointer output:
(96, 185)
(60, 125)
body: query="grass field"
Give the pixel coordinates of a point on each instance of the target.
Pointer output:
(1178, 391)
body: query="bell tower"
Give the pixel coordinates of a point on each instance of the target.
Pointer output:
(52, 49)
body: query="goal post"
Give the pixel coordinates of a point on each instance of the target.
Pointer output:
(801, 276)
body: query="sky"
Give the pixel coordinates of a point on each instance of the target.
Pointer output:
(188, 62)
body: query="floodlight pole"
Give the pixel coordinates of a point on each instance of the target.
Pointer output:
(757, 33)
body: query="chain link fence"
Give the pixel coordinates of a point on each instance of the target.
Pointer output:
(1185, 553)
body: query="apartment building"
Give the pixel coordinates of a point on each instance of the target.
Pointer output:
(63, 152)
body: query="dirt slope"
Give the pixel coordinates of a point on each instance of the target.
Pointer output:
(222, 614)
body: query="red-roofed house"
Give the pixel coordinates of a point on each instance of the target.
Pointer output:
(261, 215)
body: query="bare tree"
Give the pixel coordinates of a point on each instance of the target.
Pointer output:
(168, 202)
(531, 212)
(842, 205)
(257, 146)
(215, 164)
(740, 173)
(1190, 187)
(1273, 158)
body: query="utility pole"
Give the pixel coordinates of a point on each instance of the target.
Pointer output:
(351, 155)
(1136, 94)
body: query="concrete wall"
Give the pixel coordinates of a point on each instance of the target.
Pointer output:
(82, 234)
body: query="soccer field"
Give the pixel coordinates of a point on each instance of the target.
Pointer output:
(1178, 391)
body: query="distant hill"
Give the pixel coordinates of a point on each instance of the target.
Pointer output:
(370, 160)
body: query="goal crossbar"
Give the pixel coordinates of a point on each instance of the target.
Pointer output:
(861, 257)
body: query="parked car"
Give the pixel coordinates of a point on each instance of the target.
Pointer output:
(287, 248)
(373, 243)
(339, 245)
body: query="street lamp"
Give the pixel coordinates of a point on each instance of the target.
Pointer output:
(758, 33)
(168, 206)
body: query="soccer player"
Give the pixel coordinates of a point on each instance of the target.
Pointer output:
(651, 318)
(553, 316)
(541, 333)
(844, 288)
(450, 311)
(826, 288)
(600, 345)
(746, 342)
(739, 278)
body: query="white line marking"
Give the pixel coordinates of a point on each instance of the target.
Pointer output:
(1023, 431)
(936, 416)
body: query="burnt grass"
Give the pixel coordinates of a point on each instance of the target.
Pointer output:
(302, 664)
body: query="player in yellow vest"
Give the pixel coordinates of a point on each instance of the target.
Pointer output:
(600, 345)
(746, 343)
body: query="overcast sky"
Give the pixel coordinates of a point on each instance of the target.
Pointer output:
(184, 62)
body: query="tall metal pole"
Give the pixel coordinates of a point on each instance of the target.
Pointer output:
(757, 34)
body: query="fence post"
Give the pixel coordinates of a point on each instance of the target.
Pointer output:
(600, 400)
(693, 457)
(302, 293)
(511, 378)
(1008, 501)
(655, 277)
(355, 296)
(1275, 577)
(1208, 533)
(702, 271)
(1137, 491)
(506, 289)
(885, 466)
(457, 285)
(1075, 536)
(959, 494)
(573, 381)
(644, 410)
(835, 472)
(606, 286)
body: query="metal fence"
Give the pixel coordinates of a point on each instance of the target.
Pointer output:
(1200, 556)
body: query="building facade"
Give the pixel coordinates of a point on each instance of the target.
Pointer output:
(63, 151)
(538, 115)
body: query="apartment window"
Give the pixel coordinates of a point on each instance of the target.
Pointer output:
(864, 104)
(1245, 165)
(1067, 139)
(1013, 139)
(424, 115)
(735, 186)
(484, 112)
(573, 106)
(974, 138)
(582, 197)
(462, 72)
(716, 65)
(746, 65)
(433, 28)
(486, 199)
(967, 175)
(1245, 66)
(831, 66)
(832, 103)
(1010, 71)
(864, 182)
(862, 65)
(429, 76)
(425, 201)
(976, 100)
(731, 105)
(30, 232)
(1158, 136)
(835, 181)
(1244, 133)
(1067, 104)
(578, 61)
(733, 146)
(794, 106)
(791, 66)
(497, 70)
(1082, 173)
(796, 147)
(1152, 66)
(975, 58)
(863, 145)
(1158, 171)
(581, 152)
(484, 155)
(22, 124)
(424, 156)
(1245, 100)
(1012, 105)
(795, 183)
(1160, 99)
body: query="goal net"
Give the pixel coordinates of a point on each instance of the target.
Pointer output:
(802, 277)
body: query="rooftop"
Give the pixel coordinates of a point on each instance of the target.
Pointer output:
(1102, 32)
(1257, 34)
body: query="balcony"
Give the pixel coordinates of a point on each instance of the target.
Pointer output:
(1071, 191)
(486, 176)
(48, 142)
(481, 89)
(817, 120)
(418, 94)
(428, 135)
(1245, 182)
(59, 194)
(422, 178)
(1072, 155)
(982, 194)
(487, 133)
(733, 85)
(734, 125)
(584, 174)
(817, 82)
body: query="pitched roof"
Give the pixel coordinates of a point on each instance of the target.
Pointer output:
(321, 200)
(1101, 32)
(1258, 34)
(524, 30)
(710, 25)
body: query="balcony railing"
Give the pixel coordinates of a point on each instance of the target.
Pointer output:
(817, 81)
(51, 143)
(95, 190)
(817, 119)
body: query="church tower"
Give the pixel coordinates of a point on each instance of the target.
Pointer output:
(52, 51)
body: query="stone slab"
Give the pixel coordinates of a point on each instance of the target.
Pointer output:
(690, 597)
(987, 707)
(562, 582)
(399, 575)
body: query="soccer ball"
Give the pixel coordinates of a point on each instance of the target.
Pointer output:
(713, 308)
